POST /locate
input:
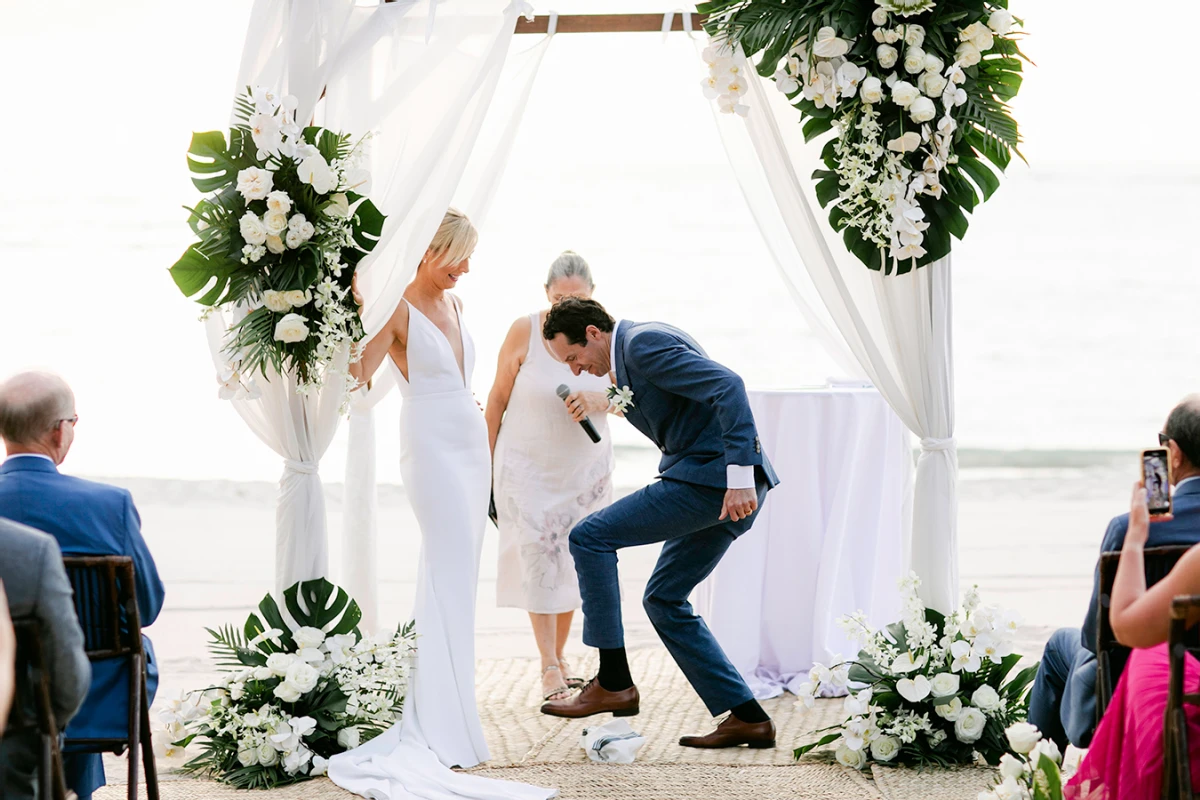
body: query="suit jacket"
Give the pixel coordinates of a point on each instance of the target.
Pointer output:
(88, 519)
(694, 409)
(37, 588)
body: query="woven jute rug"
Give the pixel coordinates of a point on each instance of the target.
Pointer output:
(903, 783)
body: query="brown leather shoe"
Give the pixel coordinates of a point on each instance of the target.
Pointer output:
(733, 732)
(595, 699)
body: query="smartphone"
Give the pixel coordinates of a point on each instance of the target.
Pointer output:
(1156, 474)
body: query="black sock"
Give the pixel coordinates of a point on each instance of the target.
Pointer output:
(750, 711)
(614, 670)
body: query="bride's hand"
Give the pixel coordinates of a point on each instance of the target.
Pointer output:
(357, 295)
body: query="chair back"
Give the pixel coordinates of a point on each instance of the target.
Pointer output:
(1181, 642)
(1158, 561)
(32, 708)
(106, 604)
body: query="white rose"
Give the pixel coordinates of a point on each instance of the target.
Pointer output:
(275, 222)
(892, 35)
(945, 684)
(348, 737)
(950, 711)
(871, 90)
(879, 35)
(985, 698)
(267, 756)
(969, 726)
(914, 35)
(904, 93)
(933, 63)
(262, 674)
(252, 229)
(967, 54)
(300, 674)
(932, 84)
(277, 302)
(315, 171)
(880, 17)
(1022, 737)
(885, 748)
(294, 239)
(1011, 767)
(1001, 21)
(248, 757)
(297, 298)
(279, 201)
(1047, 748)
(887, 55)
(828, 45)
(855, 759)
(285, 691)
(276, 245)
(977, 34)
(922, 110)
(306, 636)
(914, 60)
(292, 328)
(296, 222)
(906, 143)
(254, 183)
(306, 231)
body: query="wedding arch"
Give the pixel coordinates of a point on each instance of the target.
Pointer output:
(432, 77)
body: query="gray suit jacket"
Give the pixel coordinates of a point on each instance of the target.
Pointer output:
(36, 583)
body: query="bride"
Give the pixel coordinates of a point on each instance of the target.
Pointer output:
(446, 467)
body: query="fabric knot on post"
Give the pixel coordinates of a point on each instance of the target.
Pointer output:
(303, 467)
(931, 445)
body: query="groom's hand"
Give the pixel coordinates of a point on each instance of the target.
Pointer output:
(739, 504)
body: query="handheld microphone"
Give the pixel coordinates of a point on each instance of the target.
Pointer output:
(563, 392)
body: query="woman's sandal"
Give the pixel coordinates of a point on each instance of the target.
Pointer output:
(573, 683)
(561, 692)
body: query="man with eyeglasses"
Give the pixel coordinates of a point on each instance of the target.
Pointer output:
(1062, 703)
(37, 424)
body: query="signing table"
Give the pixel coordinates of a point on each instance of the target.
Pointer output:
(829, 540)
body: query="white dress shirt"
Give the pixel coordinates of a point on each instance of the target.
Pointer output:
(30, 455)
(736, 476)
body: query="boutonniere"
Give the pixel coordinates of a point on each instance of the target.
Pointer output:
(620, 399)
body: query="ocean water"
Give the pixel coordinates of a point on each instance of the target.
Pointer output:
(1075, 292)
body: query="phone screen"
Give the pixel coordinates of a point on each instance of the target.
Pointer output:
(1156, 476)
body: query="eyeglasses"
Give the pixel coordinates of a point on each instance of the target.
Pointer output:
(71, 420)
(1163, 439)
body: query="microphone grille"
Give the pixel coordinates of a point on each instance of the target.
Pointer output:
(563, 391)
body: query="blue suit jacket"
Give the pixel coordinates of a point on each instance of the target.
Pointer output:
(88, 519)
(695, 410)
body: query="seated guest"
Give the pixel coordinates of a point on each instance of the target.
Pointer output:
(36, 587)
(8, 656)
(1125, 760)
(37, 424)
(1062, 703)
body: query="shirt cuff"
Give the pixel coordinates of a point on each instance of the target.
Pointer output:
(737, 477)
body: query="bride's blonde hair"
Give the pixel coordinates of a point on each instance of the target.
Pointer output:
(455, 239)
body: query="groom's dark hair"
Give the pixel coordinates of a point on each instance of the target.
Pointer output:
(571, 317)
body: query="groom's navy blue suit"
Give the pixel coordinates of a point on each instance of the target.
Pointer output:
(697, 413)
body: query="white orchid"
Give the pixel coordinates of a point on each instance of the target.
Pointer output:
(857, 705)
(849, 77)
(265, 131)
(965, 660)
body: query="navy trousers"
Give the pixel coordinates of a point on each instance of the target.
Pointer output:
(1062, 702)
(684, 516)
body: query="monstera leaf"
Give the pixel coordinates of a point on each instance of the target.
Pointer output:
(196, 271)
(311, 604)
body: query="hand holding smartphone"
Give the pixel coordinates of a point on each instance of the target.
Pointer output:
(1156, 477)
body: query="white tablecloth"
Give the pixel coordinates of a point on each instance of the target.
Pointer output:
(829, 540)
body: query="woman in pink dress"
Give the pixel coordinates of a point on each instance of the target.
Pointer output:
(1125, 761)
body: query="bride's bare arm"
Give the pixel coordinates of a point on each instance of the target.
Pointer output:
(394, 334)
(512, 355)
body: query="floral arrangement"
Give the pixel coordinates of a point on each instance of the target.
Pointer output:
(1034, 773)
(297, 690)
(936, 689)
(916, 92)
(280, 234)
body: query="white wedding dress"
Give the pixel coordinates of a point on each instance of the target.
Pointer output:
(446, 467)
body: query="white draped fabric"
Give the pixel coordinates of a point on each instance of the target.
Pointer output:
(827, 543)
(473, 193)
(897, 327)
(426, 93)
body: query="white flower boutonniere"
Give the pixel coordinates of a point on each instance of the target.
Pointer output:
(620, 399)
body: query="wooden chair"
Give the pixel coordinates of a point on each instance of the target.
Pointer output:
(33, 710)
(1177, 768)
(1110, 655)
(106, 603)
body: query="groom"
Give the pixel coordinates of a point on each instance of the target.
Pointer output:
(714, 477)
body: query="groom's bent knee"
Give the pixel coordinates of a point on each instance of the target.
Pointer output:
(584, 537)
